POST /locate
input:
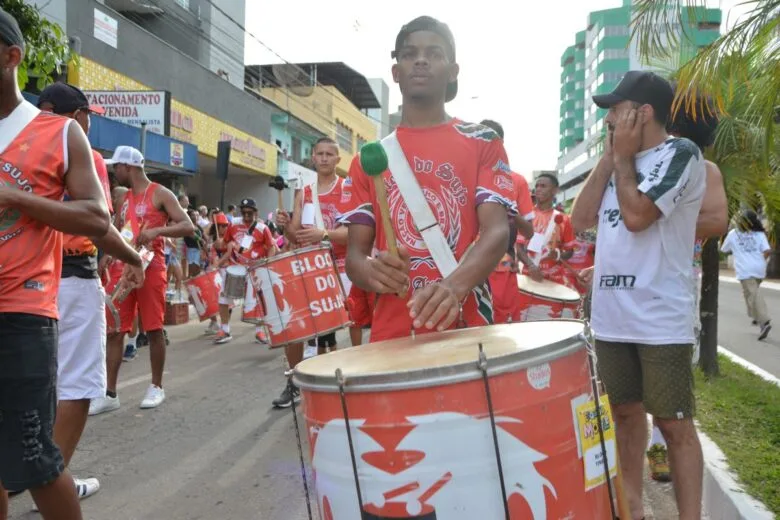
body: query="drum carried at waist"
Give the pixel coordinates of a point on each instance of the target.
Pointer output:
(235, 282)
(421, 428)
(546, 300)
(204, 291)
(302, 295)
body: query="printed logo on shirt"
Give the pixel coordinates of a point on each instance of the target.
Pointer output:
(476, 131)
(681, 192)
(503, 183)
(34, 285)
(422, 165)
(611, 217)
(9, 216)
(501, 166)
(620, 282)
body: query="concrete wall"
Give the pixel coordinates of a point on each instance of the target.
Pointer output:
(147, 59)
(380, 116)
(227, 51)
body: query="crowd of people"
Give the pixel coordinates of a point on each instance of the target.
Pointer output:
(629, 242)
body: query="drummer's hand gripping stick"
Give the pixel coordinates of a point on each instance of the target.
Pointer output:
(373, 160)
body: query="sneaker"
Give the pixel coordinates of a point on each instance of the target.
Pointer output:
(222, 337)
(261, 337)
(765, 328)
(130, 352)
(103, 405)
(285, 400)
(85, 487)
(659, 463)
(212, 329)
(153, 398)
(141, 340)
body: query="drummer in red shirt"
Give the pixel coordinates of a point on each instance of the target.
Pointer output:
(462, 169)
(503, 279)
(553, 238)
(583, 257)
(247, 242)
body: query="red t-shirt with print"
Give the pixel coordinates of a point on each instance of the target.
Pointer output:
(562, 237)
(333, 204)
(262, 242)
(459, 166)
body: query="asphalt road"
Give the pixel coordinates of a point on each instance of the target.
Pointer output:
(216, 448)
(737, 334)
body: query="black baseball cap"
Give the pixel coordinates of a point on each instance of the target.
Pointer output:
(10, 33)
(642, 87)
(248, 204)
(428, 23)
(66, 98)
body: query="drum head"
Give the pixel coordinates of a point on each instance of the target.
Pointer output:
(442, 357)
(547, 289)
(237, 270)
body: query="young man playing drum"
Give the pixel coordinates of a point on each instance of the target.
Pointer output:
(148, 214)
(553, 237)
(314, 222)
(463, 171)
(247, 242)
(503, 280)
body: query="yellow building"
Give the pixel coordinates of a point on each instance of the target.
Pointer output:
(329, 97)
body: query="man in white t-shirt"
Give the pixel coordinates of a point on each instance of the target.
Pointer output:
(750, 247)
(644, 195)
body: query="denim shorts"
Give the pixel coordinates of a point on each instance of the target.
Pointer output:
(28, 400)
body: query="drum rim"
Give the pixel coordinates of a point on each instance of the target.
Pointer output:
(294, 252)
(573, 299)
(227, 269)
(440, 376)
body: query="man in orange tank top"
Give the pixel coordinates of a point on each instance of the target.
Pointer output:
(553, 238)
(307, 227)
(81, 352)
(148, 214)
(41, 156)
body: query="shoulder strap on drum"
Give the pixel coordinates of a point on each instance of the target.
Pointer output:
(17, 121)
(419, 209)
(319, 222)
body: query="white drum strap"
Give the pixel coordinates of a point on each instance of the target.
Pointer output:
(319, 222)
(419, 209)
(12, 126)
(546, 239)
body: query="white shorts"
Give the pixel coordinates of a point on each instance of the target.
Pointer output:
(81, 353)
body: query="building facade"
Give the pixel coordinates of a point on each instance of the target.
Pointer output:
(599, 58)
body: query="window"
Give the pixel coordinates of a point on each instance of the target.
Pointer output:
(612, 54)
(344, 137)
(617, 30)
(578, 124)
(579, 66)
(296, 149)
(578, 105)
(360, 142)
(185, 4)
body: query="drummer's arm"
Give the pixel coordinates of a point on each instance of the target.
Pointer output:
(295, 222)
(338, 235)
(522, 255)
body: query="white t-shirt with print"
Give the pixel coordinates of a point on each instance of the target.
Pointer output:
(748, 248)
(643, 282)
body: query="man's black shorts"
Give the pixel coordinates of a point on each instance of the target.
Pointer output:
(326, 341)
(28, 400)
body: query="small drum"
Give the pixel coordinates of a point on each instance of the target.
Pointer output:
(252, 310)
(546, 300)
(204, 291)
(421, 429)
(302, 295)
(235, 282)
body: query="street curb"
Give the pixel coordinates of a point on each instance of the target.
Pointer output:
(723, 497)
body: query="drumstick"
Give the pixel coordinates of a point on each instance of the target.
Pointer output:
(373, 160)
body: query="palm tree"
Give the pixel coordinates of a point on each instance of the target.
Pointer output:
(740, 74)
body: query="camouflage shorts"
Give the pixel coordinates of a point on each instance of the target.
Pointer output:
(659, 376)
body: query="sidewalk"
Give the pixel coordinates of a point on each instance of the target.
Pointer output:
(729, 276)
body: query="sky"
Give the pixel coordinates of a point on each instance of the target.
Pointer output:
(509, 55)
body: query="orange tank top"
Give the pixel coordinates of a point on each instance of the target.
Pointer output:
(139, 213)
(31, 252)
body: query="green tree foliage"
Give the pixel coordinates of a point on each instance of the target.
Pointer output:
(47, 49)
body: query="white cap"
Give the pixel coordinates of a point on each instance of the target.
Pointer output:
(127, 155)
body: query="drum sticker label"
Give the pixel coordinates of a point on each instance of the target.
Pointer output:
(421, 473)
(589, 428)
(539, 376)
(278, 311)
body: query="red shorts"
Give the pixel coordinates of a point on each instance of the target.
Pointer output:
(360, 305)
(506, 297)
(148, 300)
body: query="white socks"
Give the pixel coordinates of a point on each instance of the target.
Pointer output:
(226, 328)
(132, 339)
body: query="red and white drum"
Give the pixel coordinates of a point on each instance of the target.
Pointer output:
(252, 309)
(422, 435)
(302, 295)
(546, 300)
(204, 291)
